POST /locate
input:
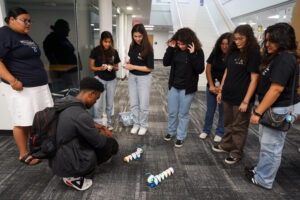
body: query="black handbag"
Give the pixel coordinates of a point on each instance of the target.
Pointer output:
(281, 122)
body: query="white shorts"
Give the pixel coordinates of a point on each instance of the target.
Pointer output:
(22, 105)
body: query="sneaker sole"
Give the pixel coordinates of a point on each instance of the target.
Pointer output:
(178, 146)
(231, 162)
(167, 139)
(218, 150)
(68, 183)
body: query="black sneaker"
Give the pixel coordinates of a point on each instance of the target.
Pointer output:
(168, 137)
(218, 148)
(250, 170)
(179, 143)
(251, 179)
(231, 160)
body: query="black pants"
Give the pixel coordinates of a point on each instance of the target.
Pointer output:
(110, 148)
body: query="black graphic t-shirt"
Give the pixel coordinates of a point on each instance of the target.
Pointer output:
(239, 76)
(105, 75)
(136, 59)
(21, 56)
(281, 71)
(217, 66)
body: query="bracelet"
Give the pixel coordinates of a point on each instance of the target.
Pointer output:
(256, 113)
(244, 102)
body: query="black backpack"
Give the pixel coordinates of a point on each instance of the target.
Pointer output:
(42, 141)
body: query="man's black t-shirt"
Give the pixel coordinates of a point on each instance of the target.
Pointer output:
(282, 71)
(180, 62)
(217, 66)
(21, 56)
(105, 75)
(136, 59)
(239, 76)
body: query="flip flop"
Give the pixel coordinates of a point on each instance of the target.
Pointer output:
(28, 161)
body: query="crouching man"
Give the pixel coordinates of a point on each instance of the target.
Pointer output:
(80, 147)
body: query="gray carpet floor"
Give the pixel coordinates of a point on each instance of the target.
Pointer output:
(200, 173)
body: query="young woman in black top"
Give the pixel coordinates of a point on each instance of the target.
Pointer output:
(140, 65)
(278, 82)
(214, 73)
(237, 91)
(186, 58)
(104, 61)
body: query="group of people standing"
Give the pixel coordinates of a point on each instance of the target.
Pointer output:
(236, 71)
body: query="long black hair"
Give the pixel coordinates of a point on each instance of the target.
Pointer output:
(217, 49)
(14, 12)
(251, 43)
(283, 36)
(187, 36)
(107, 56)
(146, 46)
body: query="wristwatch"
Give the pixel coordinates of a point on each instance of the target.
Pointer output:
(256, 113)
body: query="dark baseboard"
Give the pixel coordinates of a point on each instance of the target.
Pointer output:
(6, 132)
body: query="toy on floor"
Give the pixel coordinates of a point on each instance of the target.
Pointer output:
(135, 155)
(153, 181)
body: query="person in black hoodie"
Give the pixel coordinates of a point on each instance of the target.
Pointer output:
(80, 146)
(186, 58)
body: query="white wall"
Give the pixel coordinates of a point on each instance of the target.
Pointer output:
(237, 8)
(159, 43)
(5, 119)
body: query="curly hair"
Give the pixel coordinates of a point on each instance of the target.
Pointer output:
(146, 46)
(187, 36)
(251, 43)
(107, 56)
(217, 48)
(283, 36)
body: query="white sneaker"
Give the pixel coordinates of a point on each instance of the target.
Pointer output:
(142, 131)
(217, 138)
(134, 130)
(203, 135)
(79, 183)
(110, 127)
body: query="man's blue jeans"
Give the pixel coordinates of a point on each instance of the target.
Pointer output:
(271, 145)
(211, 102)
(179, 106)
(110, 88)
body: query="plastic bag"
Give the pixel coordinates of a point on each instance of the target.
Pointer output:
(127, 118)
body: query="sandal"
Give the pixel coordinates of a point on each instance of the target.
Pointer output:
(28, 161)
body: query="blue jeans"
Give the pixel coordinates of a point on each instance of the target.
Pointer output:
(211, 102)
(139, 94)
(110, 88)
(271, 145)
(179, 103)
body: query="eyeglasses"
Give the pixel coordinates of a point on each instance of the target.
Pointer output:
(25, 21)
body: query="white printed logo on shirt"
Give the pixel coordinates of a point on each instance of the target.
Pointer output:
(30, 44)
(140, 56)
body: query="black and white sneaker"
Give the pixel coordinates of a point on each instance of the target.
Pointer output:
(251, 179)
(179, 143)
(79, 183)
(168, 137)
(231, 160)
(250, 170)
(218, 148)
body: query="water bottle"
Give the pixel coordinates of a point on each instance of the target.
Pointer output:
(217, 83)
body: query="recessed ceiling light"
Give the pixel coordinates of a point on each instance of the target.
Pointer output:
(274, 17)
(92, 24)
(129, 8)
(133, 16)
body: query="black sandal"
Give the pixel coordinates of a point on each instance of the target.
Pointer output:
(27, 162)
